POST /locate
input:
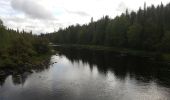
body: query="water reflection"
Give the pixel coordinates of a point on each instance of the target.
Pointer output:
(90, 75)
(19, 76)
(138, 68)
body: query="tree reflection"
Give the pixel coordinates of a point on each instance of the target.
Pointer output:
(141, 69)
(19, 75)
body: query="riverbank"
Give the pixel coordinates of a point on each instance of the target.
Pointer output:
(36, 63)
(151, 55)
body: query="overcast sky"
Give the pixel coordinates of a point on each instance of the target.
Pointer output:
(49, 15)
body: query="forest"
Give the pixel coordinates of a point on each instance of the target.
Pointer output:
(147, 29)
(19, 49)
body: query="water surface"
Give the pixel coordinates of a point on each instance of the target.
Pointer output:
(90, 75)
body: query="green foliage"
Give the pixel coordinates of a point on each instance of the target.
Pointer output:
(19, 48)
(133, 35)
(41, 45)
(100, 29)
(165, 44)
(1, 23)
(118, 31)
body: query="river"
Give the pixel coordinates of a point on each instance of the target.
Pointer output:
(90, 75)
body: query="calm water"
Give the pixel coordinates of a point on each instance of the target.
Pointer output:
(90, 75)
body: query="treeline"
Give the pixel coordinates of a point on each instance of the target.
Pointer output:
(19, 49)
(145, 29)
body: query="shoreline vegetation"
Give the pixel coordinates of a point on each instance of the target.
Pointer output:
(22, 51)
(158, 57)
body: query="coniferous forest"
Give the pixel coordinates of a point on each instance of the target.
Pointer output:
(19, 49)
(147, 29)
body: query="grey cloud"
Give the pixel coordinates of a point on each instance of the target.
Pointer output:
(5, 7)
(122, 7)
(30, 27)
(29, 24)
(80, 13)
(14, 19)
(4, 3)
(32, 9)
